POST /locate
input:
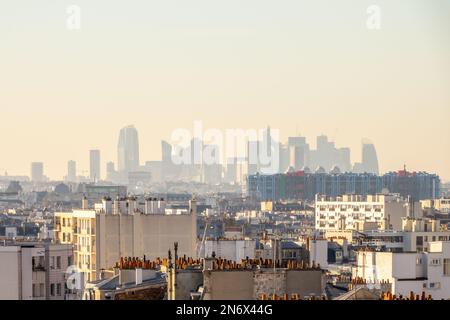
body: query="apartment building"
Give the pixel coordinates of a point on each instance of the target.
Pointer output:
(354, 212)
(414, 236)
(34, 271)
(427, 271)
(230, 249)
(442, 205)
(124, 227)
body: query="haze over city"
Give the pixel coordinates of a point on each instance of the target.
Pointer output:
(300, 66)
(216, 157)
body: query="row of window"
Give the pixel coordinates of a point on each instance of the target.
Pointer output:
(56, 265)
(354, 207)
(39, 292)
(421, 239)
(66, 237)
(38, 263)
(66, 222)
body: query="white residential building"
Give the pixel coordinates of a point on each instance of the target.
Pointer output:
(442, 205)
(230, 249)
(408, 271)
(414, 236)
(34, 271)
(354, 212)
(318, 252)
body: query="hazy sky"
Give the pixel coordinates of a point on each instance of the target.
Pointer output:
(301, 66)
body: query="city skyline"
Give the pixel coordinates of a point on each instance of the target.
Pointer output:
(315, 156)
(237, 67)
(243, 152)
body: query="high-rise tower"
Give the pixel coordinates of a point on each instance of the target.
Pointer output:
(128, 150)
(94, 165)
(369, 157)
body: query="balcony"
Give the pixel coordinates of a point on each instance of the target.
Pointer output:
(38, 268)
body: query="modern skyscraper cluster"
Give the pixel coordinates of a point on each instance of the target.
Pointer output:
(298, 155)
(206, 162)
(196, 162)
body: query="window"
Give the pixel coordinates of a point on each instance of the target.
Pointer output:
(435, 262)
(69, 261)
(419, 261)
(53, 263)
(41, 290)
(52, 289)
(58, 289)
(435, 285)
(58, 262)
(446, 267)
(34, 290)
(419, 241)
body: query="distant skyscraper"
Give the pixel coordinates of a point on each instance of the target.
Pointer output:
(94, 159)
(369, 158)
(344, 162)
(231, 170)
(298, 152)
(128, 150)
(37, 171)
(166, 152)
(166, 166)
(252, 157)
(71, 171)
(111, 174)
(211, 167)
(284, 158)
(110, 167)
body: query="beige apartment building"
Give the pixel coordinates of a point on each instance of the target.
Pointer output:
(124, 227)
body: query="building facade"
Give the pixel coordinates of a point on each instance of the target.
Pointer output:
(34, 271)
(304, 185)
(354, 212)
(407, 272)
(124, 227)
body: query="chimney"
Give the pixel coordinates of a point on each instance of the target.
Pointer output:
(208, 263)
(116, 206)
(132, 206)
(161, 206)
(107, 205)
(193, 206)
(147, 205)
(84, 203)
(138, 276)
(153, 206)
